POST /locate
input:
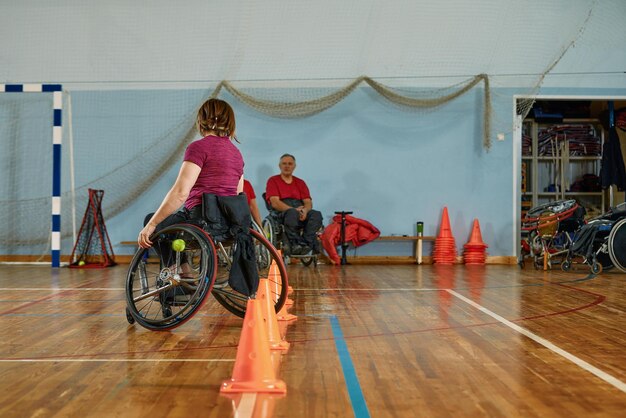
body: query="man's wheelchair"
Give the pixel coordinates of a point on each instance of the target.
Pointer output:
(274, 231)
(169, 282)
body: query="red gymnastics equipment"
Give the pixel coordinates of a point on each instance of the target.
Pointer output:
(93, 247)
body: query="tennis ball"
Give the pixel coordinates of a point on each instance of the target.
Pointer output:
(81, 263)
(178, 245)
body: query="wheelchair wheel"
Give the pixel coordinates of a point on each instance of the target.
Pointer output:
(268, 231)
(566, 265)
(617, 245)
(596, 268)
(307, 261)
(234, 301)
(164, 287)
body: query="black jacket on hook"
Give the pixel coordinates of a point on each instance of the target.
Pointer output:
(613, 171)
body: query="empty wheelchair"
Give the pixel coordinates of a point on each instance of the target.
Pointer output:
(601, 243)
(547, 231)
(169, 282)
(274, 232)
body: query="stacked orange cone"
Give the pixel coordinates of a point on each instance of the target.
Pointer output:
(253, 371)
(444, 251)
(474, 252)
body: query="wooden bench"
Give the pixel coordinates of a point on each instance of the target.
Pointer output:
(417, 240)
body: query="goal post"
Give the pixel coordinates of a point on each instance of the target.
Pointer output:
(57, 134)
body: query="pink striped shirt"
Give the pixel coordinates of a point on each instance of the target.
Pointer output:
(221, 166)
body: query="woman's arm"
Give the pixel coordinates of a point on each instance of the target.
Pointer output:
(240, 185)
(173, 200)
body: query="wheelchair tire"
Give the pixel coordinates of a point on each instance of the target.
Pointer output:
(234, 301)
(268, 231)
(129, 317)
(161, 295)
(307, 261)
(596, 268)
(617, 245)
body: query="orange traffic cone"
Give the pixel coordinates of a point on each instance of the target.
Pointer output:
(269, 316)
(283, 315)
(253, 371)
(476, 238)
(444, 250)
(444, 230)
(475, 248)
(283, 325)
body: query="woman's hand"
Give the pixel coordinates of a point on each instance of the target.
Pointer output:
(144, 236)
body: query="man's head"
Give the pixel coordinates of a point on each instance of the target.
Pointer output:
(287, 164)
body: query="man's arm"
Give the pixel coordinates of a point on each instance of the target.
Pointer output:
(278, 204)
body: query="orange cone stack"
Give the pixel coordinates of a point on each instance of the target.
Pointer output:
(474, 252)
(253, 371)
(444, 251)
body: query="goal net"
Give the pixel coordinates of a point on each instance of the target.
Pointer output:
(93, 246)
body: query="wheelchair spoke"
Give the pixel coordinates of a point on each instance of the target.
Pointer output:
(153, 292)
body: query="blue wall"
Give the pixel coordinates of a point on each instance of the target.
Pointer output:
(390, 165)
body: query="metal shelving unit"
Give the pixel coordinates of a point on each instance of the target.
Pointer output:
(550, 172)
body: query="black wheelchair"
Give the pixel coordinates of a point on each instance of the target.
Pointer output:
(274, 232)
(601, 243)
(169, 282)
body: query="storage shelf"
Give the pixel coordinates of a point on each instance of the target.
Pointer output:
(571, 158)
(542, 171)
(567, 193)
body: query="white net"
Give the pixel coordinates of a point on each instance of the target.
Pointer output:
(136, 76)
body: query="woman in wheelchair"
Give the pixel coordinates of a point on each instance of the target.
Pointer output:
(212, 229)
(212, 164)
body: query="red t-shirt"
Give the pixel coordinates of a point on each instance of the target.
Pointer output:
(276, 186)
(221, 167)
(248, 190)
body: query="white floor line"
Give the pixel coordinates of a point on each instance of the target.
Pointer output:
(245, 409)
(578, 361)
(113, 360)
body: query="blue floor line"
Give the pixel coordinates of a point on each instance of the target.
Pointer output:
(359, 407)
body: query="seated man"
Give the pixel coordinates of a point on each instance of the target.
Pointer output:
(289, 196)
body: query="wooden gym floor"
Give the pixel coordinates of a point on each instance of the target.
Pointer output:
(379, 341)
